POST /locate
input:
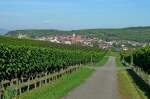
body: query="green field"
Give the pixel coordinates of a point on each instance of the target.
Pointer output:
(61, 87)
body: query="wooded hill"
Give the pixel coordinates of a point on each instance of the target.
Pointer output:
(141, 34)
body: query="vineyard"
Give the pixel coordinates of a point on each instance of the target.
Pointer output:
(27, 66)
(28, 58)
(17, 61)
(74, 49)
(140, 58)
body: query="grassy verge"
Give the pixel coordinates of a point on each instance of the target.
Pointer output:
(127, 87)
(102, 62)
(60, 87)
(118, 62)
(141, 84)
(115, 54)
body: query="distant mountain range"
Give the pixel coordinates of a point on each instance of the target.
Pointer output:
(3, 31)
(141, 34)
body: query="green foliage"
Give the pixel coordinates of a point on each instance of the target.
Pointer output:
(126, 56)
(141, 58)
(17, 61)
(28, 57)
(9, 93)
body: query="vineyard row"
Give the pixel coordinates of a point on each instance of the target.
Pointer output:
(21, 61)
(139, 58)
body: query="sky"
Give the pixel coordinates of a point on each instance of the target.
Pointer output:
(73, 14)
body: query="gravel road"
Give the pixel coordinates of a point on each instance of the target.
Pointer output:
(101, 85)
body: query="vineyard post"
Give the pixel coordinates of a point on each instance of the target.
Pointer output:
(91, 61)
(123, 60)
(142, 74)
(131, 60)
(28, 88)
(20, 82)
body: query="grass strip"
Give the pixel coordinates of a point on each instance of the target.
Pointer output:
(102, 62)
(111, 53)
(127, 87)
(60, 87)
(118, 62)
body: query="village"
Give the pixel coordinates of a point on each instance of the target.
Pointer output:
(116, 45)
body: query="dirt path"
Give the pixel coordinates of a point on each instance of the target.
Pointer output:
(101, 85)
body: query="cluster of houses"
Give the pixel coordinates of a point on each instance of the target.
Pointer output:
(90, 41)
(66, 39)
(77, 39)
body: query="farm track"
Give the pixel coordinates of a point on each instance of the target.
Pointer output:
(101, 85)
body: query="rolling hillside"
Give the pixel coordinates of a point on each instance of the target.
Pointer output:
(141, 34)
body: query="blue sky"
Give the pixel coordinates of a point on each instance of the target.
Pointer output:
(73, 14)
